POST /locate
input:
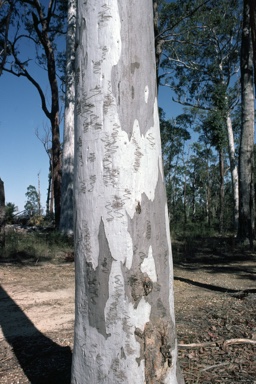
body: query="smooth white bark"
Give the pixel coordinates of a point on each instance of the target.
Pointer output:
(234, 170)
(66, 219)
(124, 328)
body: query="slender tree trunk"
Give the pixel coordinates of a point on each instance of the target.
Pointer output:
(124, 326)
(66, 220)
(208, 197)
(246, 155)
(222, 191)
(234, 171)
(159, 42)
(253, 32)
(2, 217)
(185, 202)
(56, 175)
(53, 115)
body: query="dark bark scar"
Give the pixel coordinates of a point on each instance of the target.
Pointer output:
(138, 208)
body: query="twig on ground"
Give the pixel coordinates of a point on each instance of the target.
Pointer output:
(197, 345)
(214, 366)
(237, 341)
(217, 344)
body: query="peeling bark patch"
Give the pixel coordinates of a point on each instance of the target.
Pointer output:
(130, 71)
(136, 284)
(134, 66)
(138, 208)
(148, 286)
(120, 375)
(97, 284)
(157, 351)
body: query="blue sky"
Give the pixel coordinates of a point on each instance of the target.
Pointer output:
(22, 155)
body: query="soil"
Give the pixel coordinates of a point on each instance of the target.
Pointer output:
(215, 301)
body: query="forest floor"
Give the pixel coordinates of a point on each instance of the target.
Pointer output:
(215, 302)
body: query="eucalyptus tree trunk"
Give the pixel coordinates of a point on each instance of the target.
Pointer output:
(234, 170)
(2, 217)
(124, 324)
(66, 218)
(246, 155)
(222, 191)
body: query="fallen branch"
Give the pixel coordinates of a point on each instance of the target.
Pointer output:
(213, 366)
(197, 345)
(224, 344)
(237, 341)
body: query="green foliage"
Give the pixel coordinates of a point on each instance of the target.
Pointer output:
(201, 54)
(10, 210)
(199, 62)
(36, 247)
(32, 205)
(192, 180)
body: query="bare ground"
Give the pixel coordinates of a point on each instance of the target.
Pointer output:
(215, 300)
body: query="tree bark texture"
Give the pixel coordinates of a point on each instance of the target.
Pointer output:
(234, 170)
(246, 155)
(66, 219)
(124, 326)
(2, 216)
(222, 191)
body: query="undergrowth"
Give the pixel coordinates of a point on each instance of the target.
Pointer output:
(35, 247)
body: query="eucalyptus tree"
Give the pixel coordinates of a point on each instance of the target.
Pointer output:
(168, 16)
(174, 135)
(2, 216)
(201, 59)
(66, 218)
(124, 322)
(246, 155)
(41, 27)
(32, 205)
(7, 10)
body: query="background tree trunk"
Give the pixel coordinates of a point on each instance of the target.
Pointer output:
(246, 155)
(66, 220)
(222, 191)
(125, 326)
(2, 217)
(233, 170)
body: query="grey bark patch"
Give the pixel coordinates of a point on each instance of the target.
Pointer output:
(134, 66)
(148, 230)
(97, 284)
(131, 76)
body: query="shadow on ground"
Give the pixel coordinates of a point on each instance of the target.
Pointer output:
(215, 256)
(42, 360)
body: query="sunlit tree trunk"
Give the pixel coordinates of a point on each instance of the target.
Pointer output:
(66, 219)
(222, 191)
(234, 170)
(246, 155)
(124, 323)
(2, 217)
